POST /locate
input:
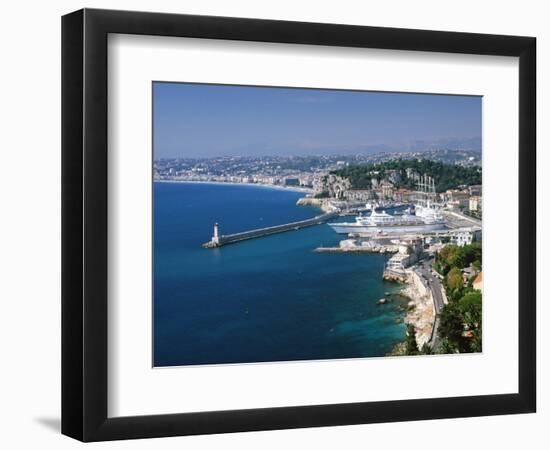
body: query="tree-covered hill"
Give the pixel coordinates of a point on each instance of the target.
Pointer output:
(446, 176)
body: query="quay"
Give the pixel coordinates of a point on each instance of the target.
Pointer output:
(220, 240)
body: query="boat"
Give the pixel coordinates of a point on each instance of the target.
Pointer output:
(424, 216)
(382, 222)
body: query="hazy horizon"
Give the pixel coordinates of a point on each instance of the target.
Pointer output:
(208, 121)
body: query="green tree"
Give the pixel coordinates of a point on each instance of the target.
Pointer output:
(454, 256)
(475, 343)
(450, 324)
(451, 256)
(447, 347)
(426, 350)
(411, 346)
(470, 309)
(454, 279)
(446, 176)
(471, 253)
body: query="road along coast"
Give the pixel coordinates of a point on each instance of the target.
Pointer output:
(421, 312)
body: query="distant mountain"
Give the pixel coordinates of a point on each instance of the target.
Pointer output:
(473, 144)
(448, 144)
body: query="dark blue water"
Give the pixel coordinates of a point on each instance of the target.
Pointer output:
(267, 299)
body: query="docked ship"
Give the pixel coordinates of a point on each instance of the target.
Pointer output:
(424, 220)
(424, 217)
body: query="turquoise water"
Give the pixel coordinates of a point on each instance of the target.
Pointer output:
(267, 299)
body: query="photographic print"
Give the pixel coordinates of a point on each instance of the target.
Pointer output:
(298, 224)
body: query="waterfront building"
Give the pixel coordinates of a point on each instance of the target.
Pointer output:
(408, 253)
(465, 236)
(398, 262)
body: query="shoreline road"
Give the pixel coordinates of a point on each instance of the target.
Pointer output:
(425, 271)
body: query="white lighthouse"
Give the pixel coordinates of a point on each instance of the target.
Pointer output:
(216, 236)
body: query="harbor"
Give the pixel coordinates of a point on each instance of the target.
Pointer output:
(412, 239)
(409, 233)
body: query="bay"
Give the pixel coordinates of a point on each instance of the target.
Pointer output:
(266, 299)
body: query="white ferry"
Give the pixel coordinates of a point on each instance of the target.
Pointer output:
(425, 219)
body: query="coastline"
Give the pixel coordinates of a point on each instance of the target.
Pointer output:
(302, 190)
(420, 311)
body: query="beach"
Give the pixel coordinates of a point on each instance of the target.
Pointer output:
(222, 183)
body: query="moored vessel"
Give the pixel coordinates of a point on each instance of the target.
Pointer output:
(424, 216)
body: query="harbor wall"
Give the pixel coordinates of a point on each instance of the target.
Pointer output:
(252, 234)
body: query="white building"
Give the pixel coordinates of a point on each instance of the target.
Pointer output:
(407, 254)
(398, 262)
(465, 236)
(475, 203)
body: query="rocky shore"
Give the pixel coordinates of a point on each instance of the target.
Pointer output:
(420, 311)
(321, 203)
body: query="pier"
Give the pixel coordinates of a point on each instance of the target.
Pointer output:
(220, 240)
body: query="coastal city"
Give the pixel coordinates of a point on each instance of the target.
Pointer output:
(298, 224)
(423, 210)
(291, 171)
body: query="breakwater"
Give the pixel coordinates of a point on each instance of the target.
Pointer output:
(220, 240)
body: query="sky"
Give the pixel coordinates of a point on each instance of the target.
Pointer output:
(199, 120)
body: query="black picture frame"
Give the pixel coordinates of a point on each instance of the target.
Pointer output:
(84, 224)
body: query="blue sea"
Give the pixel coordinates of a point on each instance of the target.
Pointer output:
(266, 299)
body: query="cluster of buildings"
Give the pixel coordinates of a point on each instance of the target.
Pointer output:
(340, 188)
(386, 188)
(313, 172)
(467, 200)
(274, 171)
(298, 180)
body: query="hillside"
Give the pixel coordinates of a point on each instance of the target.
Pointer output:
(404, 173)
